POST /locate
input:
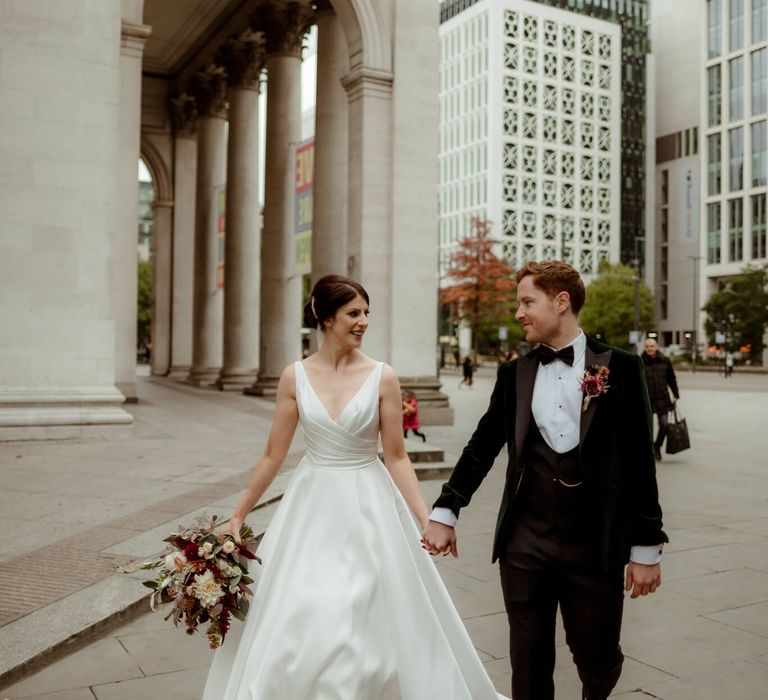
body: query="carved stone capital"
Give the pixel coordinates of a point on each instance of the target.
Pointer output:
(243, 61)
(184, 114)
(283, 24)
(209, 89)
(133, 37)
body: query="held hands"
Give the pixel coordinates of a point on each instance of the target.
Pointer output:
(439, 539)
(642, 579)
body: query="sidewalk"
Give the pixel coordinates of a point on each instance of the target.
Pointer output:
(703, 635)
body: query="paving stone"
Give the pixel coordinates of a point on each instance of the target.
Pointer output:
(687, 648)
(750, 618)
(180, 685)
(167, 650)
(104, 661)
(74, 694)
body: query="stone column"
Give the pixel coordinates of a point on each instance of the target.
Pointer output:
(329, 219)
(124, 255)
(369, 256)
(243, 61)
(413, 275)
(58, 206)
(283, 28)
(162, 253)
(184, 113)
(209, 89)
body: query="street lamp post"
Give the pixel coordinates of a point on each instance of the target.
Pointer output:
(636, 290)
(695, 330)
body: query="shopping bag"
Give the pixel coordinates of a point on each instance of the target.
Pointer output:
(677, 435)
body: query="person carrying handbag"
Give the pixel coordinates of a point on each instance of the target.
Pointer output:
(660, 378)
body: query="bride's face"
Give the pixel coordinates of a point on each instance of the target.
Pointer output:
(349, 324)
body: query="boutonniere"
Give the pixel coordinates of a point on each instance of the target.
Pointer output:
(593, 382)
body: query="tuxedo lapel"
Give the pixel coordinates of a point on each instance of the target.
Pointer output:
(526, 376)
(592, 358)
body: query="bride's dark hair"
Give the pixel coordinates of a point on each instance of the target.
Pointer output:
(329, 294)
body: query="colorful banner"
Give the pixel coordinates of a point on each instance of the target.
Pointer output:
(221, 225)
(303, 203)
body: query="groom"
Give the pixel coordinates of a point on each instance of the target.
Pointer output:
(580, 500)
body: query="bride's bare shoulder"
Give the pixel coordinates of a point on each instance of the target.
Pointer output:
(288, 379)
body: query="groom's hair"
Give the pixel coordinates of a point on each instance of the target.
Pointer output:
(553, 277)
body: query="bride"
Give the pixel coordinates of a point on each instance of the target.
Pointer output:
(347, 604)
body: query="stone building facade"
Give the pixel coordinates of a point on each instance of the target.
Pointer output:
(86, 89)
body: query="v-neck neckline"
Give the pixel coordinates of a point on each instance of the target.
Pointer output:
(347, 405)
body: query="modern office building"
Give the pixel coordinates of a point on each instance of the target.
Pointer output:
(734, 115)
(542, 127)
(711, 176)
(673, 254)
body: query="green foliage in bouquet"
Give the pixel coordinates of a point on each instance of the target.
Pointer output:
(205, 576)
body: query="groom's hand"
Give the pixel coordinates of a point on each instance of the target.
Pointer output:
(642, 579)
(439, 539)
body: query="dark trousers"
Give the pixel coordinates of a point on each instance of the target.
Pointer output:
(591, 607)
(663, 419)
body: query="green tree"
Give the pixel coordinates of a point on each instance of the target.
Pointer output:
(483, 290)
(609, 311)
(144, 313)
(740, 311)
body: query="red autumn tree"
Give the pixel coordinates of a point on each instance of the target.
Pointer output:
(482, 293)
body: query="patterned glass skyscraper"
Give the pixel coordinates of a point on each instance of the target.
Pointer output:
(540, 130)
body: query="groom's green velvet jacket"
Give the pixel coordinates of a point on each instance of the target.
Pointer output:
(615, 454)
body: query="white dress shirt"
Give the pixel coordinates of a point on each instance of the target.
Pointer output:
(556, 408)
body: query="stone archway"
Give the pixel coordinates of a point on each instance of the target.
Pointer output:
(162, 255)
(368, 33)
(158, 168)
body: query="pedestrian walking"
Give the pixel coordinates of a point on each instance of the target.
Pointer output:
(728, 364)
(467, 370)
(411, 415)
(660, 378)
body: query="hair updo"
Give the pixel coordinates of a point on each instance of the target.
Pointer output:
(329, 294)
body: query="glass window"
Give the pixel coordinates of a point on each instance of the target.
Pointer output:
(665, 186)
(714, 164)
(760, 154)
(760, 81)
(714, 28)
(736, 25)
(759, 20)
(714, 92)
(736, 155)
(713, 233)
(736, 88)
(758, 226)
(735, 231)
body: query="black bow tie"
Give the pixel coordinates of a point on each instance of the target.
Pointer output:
(547, 355)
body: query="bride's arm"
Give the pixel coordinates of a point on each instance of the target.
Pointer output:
(279, 441)
(395, 454)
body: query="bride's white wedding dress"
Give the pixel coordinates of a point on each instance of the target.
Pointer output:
(347, 605)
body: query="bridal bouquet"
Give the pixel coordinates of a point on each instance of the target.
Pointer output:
(206, 577)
